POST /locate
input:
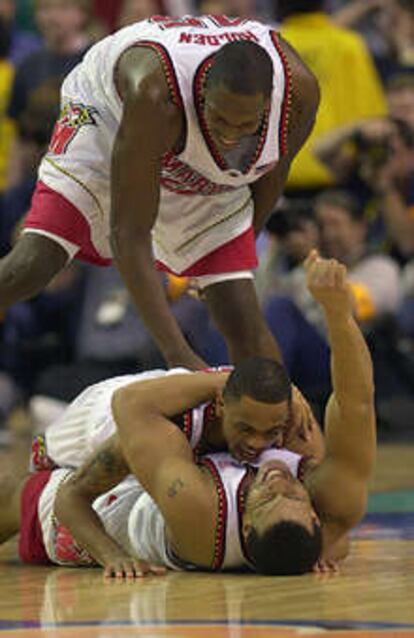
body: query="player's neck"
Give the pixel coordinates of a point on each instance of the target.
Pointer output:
(213, 434)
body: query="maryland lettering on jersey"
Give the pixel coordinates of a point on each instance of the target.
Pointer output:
(178, 177)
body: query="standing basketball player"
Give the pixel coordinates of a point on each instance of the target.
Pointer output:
(173, 144)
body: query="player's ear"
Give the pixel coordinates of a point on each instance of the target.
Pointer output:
(246, 526)
(315, 517)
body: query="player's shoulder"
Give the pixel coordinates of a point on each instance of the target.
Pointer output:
(140, 72)
(304, 97)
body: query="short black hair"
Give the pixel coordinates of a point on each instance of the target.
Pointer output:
(243, 67)
(262, 379)
(285, 8)
(285, 549)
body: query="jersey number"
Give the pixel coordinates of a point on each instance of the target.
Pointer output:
(167, 22)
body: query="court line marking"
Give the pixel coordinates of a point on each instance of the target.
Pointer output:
(322, 624)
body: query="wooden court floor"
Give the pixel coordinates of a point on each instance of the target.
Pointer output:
(373, 595)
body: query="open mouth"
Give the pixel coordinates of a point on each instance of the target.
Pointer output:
(224, 141)
(244, 455)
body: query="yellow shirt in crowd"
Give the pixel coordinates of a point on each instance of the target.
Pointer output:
(6, 125)
(350, 85)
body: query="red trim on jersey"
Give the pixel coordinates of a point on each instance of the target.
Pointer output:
(168, 68)
(209, 414)
(67, 550)
(240, 499)
(52, 212)
(31, 546)
(285, 111)
(221, 528)
(237, 254)
(198, 85)
(188, 424)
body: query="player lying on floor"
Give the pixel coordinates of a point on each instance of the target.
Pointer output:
(277, 414)
(217, 514)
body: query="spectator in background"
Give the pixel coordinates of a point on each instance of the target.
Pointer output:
(375, 159)
(350, 86)
(6, 81)
(389, 28)
(34, 332)
(112, 340)
(291, 312)
(134, 10)
(107, 12)
(41, 331)
(63, 25)
(400, 96)
(402, 31)
(34, 129)
(239, 8)
(291, 233)
(374, 277)
(21, 43)
(129, 11)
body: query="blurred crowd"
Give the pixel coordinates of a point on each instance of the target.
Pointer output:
(350, 194)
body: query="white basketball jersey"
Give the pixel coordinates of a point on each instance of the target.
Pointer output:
(205, 200)
(133, 520)
(147, 534)
(88, 421)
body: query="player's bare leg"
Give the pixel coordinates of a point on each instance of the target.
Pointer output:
(27, 269)
(11, 486)
(235, 310)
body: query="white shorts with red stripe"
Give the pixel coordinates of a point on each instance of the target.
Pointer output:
(54, 216)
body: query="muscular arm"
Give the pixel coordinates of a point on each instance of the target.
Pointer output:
(150, 126)
(339, 486)
(302, 114)
(160, 456)
(73, 507)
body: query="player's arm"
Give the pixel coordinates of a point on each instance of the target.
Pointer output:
(104, 469)
(150, 126)
(158, 453)
(303, 108)
(339, 485)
